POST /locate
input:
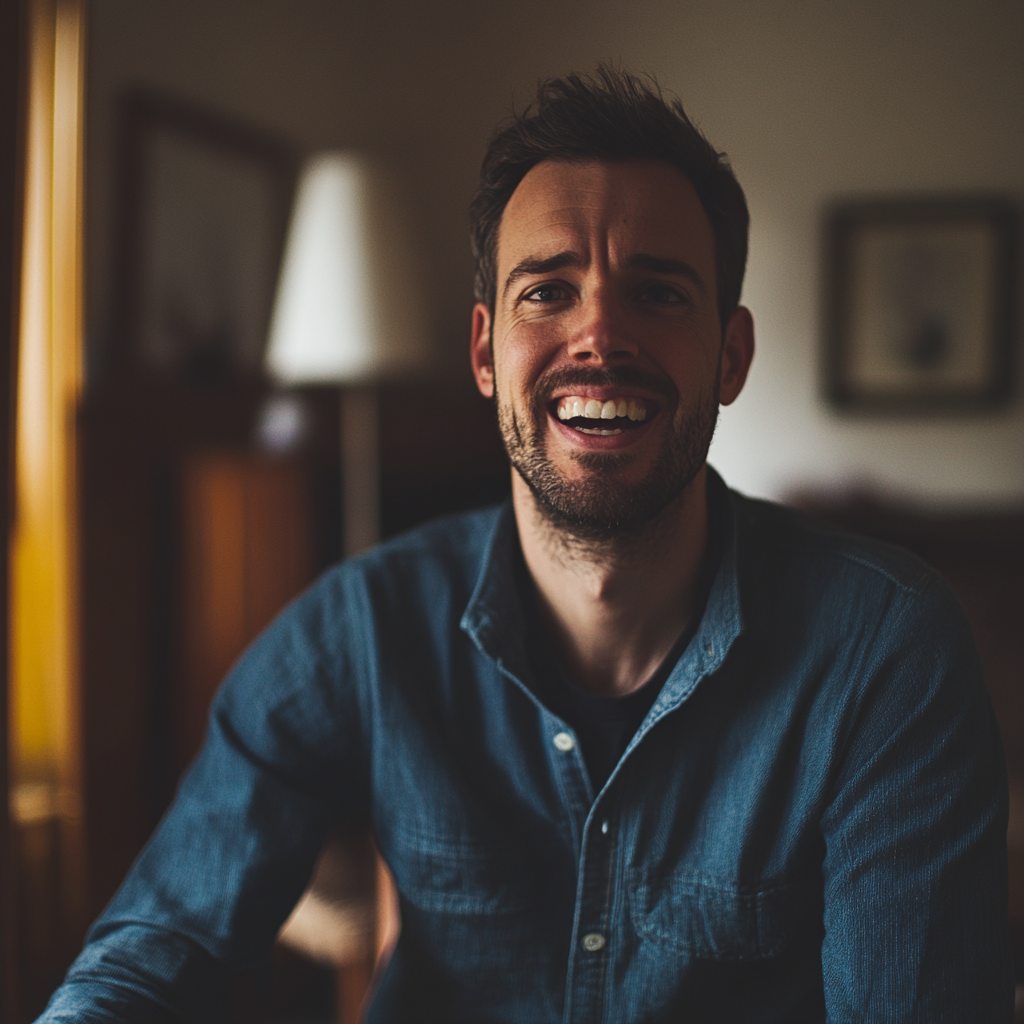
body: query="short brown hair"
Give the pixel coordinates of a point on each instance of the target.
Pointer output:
(609, 115)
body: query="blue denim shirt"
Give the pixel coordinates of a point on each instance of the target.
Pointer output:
(809, 824)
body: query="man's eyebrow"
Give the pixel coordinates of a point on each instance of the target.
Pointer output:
(666, 265)
(533, 265)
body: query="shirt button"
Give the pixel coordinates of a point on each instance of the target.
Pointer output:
(564, 742)
(593, 942)
(604, 828)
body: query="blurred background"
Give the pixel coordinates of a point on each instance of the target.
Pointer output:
(174, 486)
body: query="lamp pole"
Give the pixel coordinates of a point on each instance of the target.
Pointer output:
(360, 468)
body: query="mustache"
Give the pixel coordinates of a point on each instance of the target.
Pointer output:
(614, 376)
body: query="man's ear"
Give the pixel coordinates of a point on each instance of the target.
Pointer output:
(480, 350)
(737, 354)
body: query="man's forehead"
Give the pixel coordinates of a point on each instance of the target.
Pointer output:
(648, 202)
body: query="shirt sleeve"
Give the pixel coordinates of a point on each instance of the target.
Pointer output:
(281, 764)
(915, 875)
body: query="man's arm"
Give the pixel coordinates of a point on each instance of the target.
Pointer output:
(915, 865)
(280, 766)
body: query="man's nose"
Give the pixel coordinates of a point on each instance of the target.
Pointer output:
(602, 335)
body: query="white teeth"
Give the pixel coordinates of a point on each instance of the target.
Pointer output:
(573, 406)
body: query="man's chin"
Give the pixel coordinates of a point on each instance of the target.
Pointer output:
(598, 510)
(597, 495)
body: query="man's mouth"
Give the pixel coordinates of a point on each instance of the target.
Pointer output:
(601, 418)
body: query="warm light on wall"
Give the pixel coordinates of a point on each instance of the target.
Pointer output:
(43, 658)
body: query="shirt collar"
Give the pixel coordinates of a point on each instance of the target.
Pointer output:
(495, 618)
(496, 622)
(722, 621)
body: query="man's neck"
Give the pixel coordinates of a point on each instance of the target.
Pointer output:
(616, 607)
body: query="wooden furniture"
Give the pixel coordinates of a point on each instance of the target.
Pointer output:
(246, 550)
(191, 542)
(134, 442)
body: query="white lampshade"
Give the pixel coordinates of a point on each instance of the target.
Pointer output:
(348, 306)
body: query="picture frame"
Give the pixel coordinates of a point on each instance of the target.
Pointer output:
(204, 202)
(919, 304)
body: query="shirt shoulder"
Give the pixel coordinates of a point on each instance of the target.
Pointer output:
(872, 628)
(768, 531)
(842, 587)
(321, 650)
(423, 571)
(446, 552)
(453, 539)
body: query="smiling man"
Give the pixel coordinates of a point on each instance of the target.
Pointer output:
(635, 748)
(614, 356)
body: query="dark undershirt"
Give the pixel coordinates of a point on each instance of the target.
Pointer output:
(603, 725)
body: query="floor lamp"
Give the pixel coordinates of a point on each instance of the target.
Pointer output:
(348, 312)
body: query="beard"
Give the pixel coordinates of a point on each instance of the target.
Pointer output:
(602, 506)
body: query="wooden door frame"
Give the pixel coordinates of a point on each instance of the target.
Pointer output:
(13, 22)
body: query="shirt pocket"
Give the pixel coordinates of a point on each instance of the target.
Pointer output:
(457, 875)
(715, 921)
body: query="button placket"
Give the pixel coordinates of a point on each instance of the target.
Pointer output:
(593, 945)
(572, 778)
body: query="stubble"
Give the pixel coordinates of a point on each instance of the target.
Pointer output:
(601, 507)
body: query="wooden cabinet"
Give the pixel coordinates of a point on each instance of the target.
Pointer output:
(247, 548)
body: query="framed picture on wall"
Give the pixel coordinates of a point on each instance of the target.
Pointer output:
(205, 201)
(919, 305)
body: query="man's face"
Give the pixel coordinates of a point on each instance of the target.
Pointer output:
(607, 349)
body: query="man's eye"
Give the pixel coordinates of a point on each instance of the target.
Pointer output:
(662, 294)
(546, 293)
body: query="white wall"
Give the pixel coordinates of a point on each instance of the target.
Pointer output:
(811, 100)
(815, 101)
